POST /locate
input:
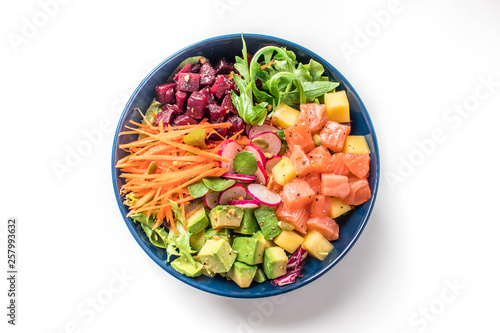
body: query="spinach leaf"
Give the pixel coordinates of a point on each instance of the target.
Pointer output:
(245, 163)
(154, 108)
(197, 189)
(218, 184)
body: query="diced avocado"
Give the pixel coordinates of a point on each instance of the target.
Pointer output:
(217, 256)
(224, 234)
(268, 222)
(275, 261)
(208, 273)
(186, 267)
(249, 224)
(249, 250)
(242, 274)
(260, 276)
(197, 220)
(197, 241)
(266, 243)
(226, 217)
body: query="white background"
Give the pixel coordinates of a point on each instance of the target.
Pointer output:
(428, 258)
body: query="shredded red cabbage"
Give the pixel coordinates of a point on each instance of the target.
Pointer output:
(293, 268)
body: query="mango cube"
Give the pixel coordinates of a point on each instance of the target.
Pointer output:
(288, 240)
(284, 171)
(317, 245)
(338, 207)
(356, 144)
(285, 116)
(337, 106)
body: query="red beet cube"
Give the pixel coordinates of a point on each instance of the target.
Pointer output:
(223, 67)
(180, 99)
(221, 133)
(167, 114)
(184, 119)
(165, 93)
(237, 124)
(196, 105)
(185, 69)
(216, 113)
(223, 85)
(227, 103)
(207, 74)
(188, 82)
(210, 97)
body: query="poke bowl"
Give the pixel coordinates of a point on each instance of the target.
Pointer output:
(174, 75)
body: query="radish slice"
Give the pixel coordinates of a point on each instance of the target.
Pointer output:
(247, 128)
(264, 196)
(272, 162)
(254, 130)
(235, 192)
(211, 199)
(260, 174)
(229, 149)
(272, 139)
(244, 203)
(259, 155)
(239, 177)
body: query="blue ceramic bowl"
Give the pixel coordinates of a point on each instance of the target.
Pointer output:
(229, 46)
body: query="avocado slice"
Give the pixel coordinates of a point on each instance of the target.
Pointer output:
(242, 274)
(250, 250)
(197, 220)
(186, 267)
(217, 256)
(268, 222)
(226, 217)
(275, 261)
(249, 224)
(224, 234)
(197, 241)
(260, 276)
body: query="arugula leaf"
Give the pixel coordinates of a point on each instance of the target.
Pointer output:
(245, 163)
(242, 64)
(315, 69)
(197, 189)
(253, 115)
(218, 184)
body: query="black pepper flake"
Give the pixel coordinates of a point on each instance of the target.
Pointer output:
(310, 197)
(317, 192)
(316, 199)
(298, 194)
(303, 162)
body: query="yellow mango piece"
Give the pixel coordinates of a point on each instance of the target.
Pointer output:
(356, 144)
(285, 116)
(317, 245)
(288, 240)
(337, 106)
(339, 207)
(284, 171)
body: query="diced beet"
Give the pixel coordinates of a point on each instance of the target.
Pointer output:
(237, 124)
(223, 67)
(195, 68)
(196, 105)
(184, 119)
(165, 93)
(188, 82)
(207, 74)
(227, 103)
(216, 113)
(185, 69)
(167, 114)
(223, 85)
(180, 99)
(221, 133)
(210, 97)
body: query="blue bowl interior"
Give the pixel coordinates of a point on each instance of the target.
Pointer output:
(229, 46)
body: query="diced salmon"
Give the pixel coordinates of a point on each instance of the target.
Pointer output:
(321, 206)
(313, 115)
(300, 161)
(297, 194)
(299, 135)
(314, 181)
(334, 185)
(325, 226)
(337, 165)
(298, 218)
(359, 191)
(320, 159)
(358, 164)
(333, 135)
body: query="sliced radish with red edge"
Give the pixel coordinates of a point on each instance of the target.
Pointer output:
(254, 130)
(244, 203)
(259, 155)
(211, 199)
(273, 140)
(260, 174)
(229, 149)
(239, 177)
(272, 162)
(263, 195)
(233, 193)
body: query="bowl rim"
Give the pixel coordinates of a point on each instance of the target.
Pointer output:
(191, 281)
